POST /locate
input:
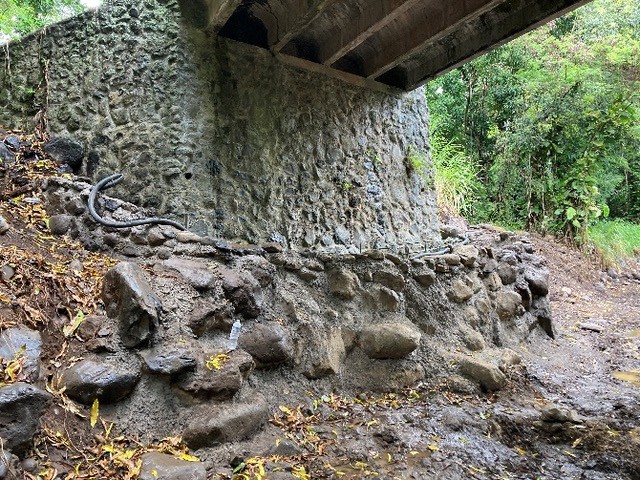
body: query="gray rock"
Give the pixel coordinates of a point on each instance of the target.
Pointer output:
(66, 150)
(169, 361)
(473, 340)
(508, 304)
(155, 237)
(450, 259)
(4, 226)
(13, 340)
(60, 224)
(555, 414)
(538, 281)
(196, 273)
(268, 343)
(493, 281)
(229, 423)
(7, 273)
(107, 379)
(9, 465)
(219, 384)
(460, 291)
(390, 280)
(487, 375)
(388, 300)
(210, 315)
(323, 351)
(160, 466)
(507, 273)
(389, 340)
(342, 283)
(425, 276)
(242, 290)
(21, 406)
(342, 235)
(128, 297)
(468, 254)
(285, 448)
(6, 155)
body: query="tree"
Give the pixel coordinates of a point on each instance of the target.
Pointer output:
(20, 17)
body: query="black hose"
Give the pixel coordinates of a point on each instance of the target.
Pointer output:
(112, 181)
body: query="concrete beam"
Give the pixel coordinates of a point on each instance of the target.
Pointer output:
(298, 20)
(220, 11)
(377, 15)
(486, 33)
(208, 14)
(443, 17)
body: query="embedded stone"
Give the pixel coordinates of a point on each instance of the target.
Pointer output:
(242, 290)
(343, 283)
(6, 155)
(507, 273)
(66, 150)
(460, 291)
(210, 315)
(259, 268)
(468, 254)
(268, 343)
(493, 282)
(473, 340)
(60, 224)
(388, 300)
(323, 351)
(209, 382)
(555, 414)
(108, 379)
(198, 274)
(21, 406)
(450, 259)
(507, 304)
(487, 375)
(425, 276)
(169, 361)
(20, 341)
(538, 281)
(389, 340)
(226, 423)
(128, 297)
(390, 280)
(160, 466)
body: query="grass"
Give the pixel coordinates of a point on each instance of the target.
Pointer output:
(617, 241)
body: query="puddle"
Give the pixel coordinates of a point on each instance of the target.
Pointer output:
(631, 376)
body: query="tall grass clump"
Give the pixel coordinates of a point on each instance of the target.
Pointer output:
(455, 178)
(617, 241)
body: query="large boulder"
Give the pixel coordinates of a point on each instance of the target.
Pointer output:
(108, 379)
(160, 466)
(389, 340)
(128, 297)
(322, 352)
(268, 343)
(21, 406)
(487, 375)
(342, 283)
(230, 423)
(24, 342)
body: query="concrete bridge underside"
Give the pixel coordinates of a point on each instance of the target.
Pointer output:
(377, 43)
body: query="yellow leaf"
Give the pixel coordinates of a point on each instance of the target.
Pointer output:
(521, 451)
(217, 362)
(71, 329)
(189, 458)
(94, 413)
(154, 473)
(576, 443)
(433, 448)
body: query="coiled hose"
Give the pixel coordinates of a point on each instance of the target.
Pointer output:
(112, 181)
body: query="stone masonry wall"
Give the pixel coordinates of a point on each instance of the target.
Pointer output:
(220, 135)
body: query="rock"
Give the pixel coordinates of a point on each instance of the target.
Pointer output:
(188, 237)
(509, 358)
(450, 259)
(507, 304)
(91, 325)
(170, 360)
(155, 237)
(258, 267)
(7, 273)
(13, 340)
(60, 224)
(488, 376)
(323, 351)
(209, 315)
(390, 280)
(21, 406)
(468, 254)
(555, 414)
(375, 254)
(242, 290)
(425, 276)
(593, 327)
(164, 253)
(196, 273)
(450, 231)
(342, 283)
(268, 343)
(389, 340)
(66, 150)
(13, 141)
(284, 448)
(128, 297)
(460, 291)
(29, 465)
(229, 423)
(538, 281)
(210, 383)
(493, 282)
(388, 300)
(272, 247)
(473, 340)
(4, 226)
(9, 466)
(108, 379)
(507, 274)
(160, 466)
(6, 155)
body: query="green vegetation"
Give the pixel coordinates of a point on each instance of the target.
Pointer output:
(616, 240)
(20, 17)
(543, 133)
